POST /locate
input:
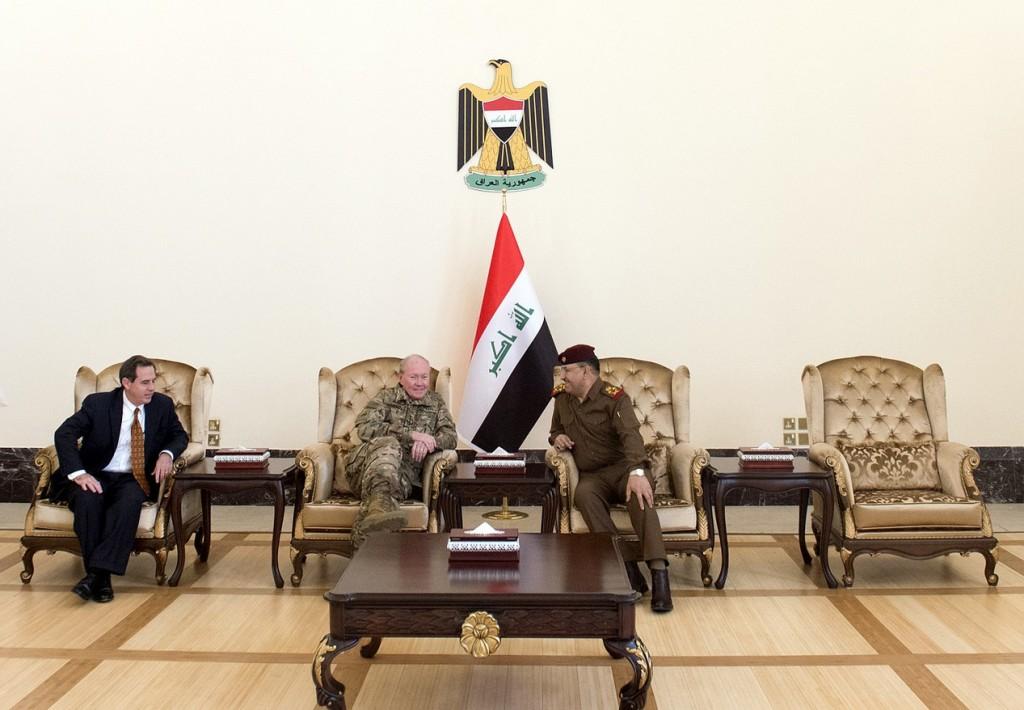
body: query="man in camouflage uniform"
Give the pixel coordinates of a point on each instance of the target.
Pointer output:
(399, 428)
(596, 421)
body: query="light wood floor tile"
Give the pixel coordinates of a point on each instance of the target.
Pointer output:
(19, 676)
(781, 687)
(984, 687)
(763, 568)
(488, 687)
(175, 685)
(27, 618)
(279, 622)
(892, 572)
(749, 626)
(244, 567)
(961, 623)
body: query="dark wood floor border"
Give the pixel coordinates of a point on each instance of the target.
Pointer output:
(869, 627)
(1010, 560)
(929, 689)
(133, 622)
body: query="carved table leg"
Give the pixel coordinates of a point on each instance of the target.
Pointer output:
(203, 548)
(549, 512)
(371, 648)
(633, 695)
(278, 491)
(179, 537)
(330, 692)
(805, 494)
(827, 504)
(723, 535)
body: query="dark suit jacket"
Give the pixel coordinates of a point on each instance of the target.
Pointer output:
(98, 424)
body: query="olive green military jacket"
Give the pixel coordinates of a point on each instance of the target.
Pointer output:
(603, 427)
(392, 412)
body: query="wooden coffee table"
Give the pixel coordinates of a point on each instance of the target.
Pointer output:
(565, 586)
(538, 486)
(202, 475)
(805, 477)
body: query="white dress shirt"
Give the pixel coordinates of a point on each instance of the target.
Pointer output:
(122, 459)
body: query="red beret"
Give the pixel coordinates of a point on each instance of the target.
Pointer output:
(577, 353)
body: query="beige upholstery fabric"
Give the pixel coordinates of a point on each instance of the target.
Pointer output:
(328, 510)
(891, 465)
(661, 399)
(191, 390)
(880, 426)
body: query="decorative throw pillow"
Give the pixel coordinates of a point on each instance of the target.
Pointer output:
(657, 454)
(891, 465)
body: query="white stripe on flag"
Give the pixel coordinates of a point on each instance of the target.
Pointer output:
(485, 380)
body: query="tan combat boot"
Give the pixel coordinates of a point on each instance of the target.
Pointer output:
(382, 515)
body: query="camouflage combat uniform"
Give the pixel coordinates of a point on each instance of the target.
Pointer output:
(381, 470)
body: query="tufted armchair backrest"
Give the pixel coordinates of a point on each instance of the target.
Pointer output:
(661, 397)
(189, 387)
(344, 394)
(872, 399)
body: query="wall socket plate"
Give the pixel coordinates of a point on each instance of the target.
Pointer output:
(213, 425)
(213, 439)
(794, 431)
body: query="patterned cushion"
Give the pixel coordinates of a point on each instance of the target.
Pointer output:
(657, 454)
(891, 497)
(891, 465)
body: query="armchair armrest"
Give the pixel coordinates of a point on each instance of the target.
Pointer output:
(46, 462)
(957, 463)
(317, 463)
(686, 461)
(828, 457)
(435, 467)
(564, 466)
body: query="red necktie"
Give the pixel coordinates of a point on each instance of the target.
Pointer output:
(139, 454)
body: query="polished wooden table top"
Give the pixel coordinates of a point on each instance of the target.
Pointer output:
(277, 468)
(571, 567)
(729, 466)
(467, 472)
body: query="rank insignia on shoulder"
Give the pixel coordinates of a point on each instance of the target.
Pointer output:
(558, 389)
(613, 391)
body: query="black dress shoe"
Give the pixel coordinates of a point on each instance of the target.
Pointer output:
(85, 586)
(636, 578)
(661, 597)
(103, 591)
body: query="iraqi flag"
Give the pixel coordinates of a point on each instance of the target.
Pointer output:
(510, 373)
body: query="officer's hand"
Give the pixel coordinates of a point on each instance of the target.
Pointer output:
(641, 488)
(425, 439)
(88, 483)
(163, 467)
(563, 442)
(419, 451)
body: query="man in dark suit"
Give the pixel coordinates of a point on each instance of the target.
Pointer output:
(130, 437)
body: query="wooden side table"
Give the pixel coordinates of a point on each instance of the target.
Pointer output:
(805, 477)
(203, 477)
(538, 486)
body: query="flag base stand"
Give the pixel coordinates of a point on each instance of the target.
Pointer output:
(505, 513)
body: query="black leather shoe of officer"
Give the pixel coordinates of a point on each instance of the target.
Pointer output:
(85, 586)
(661, 596)
(102, 590)
(636, 578)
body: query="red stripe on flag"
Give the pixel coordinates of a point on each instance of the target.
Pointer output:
(506, 264)
(502, 104)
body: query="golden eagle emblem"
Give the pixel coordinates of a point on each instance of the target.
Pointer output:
(504, 123)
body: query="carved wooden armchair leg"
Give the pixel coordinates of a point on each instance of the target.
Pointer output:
(705, 566)
(26, 560)
(160, 557)
(298, 560)
(991, 557)
(848, 557)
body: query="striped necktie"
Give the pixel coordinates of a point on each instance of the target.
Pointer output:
(139, 454)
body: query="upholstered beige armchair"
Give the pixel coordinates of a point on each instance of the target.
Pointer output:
(661, 399)
(325, 508)
(901, 486)
(50, 526)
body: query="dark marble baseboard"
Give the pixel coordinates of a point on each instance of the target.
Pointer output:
(1000, 477)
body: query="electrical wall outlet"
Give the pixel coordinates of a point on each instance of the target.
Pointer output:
(213, 440)
(789, 439)
(213, 425)
(794, 431)
(788, 423)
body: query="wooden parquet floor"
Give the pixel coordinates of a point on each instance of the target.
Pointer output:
(922, 634)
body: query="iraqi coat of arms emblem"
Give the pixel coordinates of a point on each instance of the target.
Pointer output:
(507, 126)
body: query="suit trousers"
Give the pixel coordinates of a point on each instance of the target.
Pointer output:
(106, 522)
(597, 490)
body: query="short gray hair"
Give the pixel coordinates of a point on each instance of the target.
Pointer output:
(408, 359)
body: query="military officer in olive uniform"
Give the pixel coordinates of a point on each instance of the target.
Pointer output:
(399, 428)
(595, 420)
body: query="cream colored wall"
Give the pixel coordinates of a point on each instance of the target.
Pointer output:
(267, 188)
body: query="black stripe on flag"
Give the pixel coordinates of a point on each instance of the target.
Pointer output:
(522, 400)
